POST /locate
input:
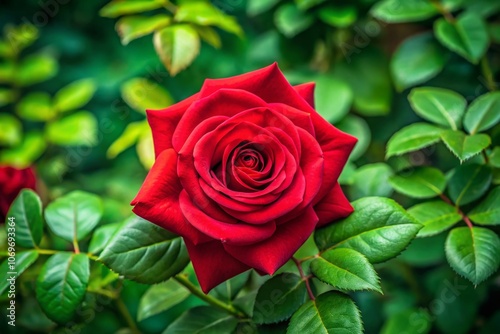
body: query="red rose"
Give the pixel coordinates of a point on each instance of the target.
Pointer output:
(245, 171)
(12, 180)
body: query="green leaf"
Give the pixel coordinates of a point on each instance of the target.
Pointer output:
(227, 291)
(209, 35)
(332, 312)
(142, 94)
(7, 71)
(468, 183)
(357, 127)
(379, 228)
(418, 59)
(396, 11)
(32, 146)
(129, 137)
(409, 321)
(118, 8)
(333, 98)
(348, 174)
(203, 320)
(177, 46)
(6, 96)
(36, 68)
(290, 20)
(371, 180)
(412, 138)
(61, 285)
(306, 4)
(438, 105)
(436, 216)
(145, 150)
(278, 298)
(340, 17)
(74, 215)
(346, 269)
(465, 146)
(421, 182)
(144, 252)
(19, 37)
(473, 252)
(161, 297)
(27, 211)
(483, 113)
(75, 95)
(494, 157)
(467, 35)
(36, 107)
(8, 269)
(256, 7)
(206, 14)
(488, 211)
(73, 130)
(133, 27)
(484, 8)
(10, 130)
(101, 237)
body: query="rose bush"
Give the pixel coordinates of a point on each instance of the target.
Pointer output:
(12, 180)
(245, 170)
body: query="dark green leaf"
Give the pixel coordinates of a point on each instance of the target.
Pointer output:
(371, 180)
(483, 113)
(465, 146)
(488, 211)
(14, 269)
(203, 320)
(467, 35)
(494, 157)
(473, 252)
(346, 269)
(161, 297)
(144, 252)
(61, 285)
(36, 107)
(438, 105)
(278, 298)
(421, 182)
(75, 95)
(379, 228)
(36, 68)
(177, 46)
(332, 312)
(27, 212)
(413, 137)
(396, 11)
(436, 216)
(468, 183)
(418, 59)
(74, 215)
(117, 8)
(133, 27)
(228, 290)
(142, 94)
(357, 127)
(290, 20)
(73, 130)
(333, 98)
(10, 130)
(101, 237)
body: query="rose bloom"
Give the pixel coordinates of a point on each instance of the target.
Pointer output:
(12, 180)
(245, 170)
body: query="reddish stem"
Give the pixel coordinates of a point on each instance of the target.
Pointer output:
(304, 278)
(460, 212)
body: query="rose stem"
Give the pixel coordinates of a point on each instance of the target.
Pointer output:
(304, 278)
(183, 280)
(126, 315)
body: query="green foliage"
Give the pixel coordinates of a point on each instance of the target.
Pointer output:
(161, 297)
(412, 138)
(436, 216)
(488, 211)
(422, 182)
(203, 320)
(23, 260)
(468, 183)
(27, 210)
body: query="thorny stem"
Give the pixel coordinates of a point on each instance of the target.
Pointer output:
(304, 278)
(488, 74)
(126, 315)
(183, 280)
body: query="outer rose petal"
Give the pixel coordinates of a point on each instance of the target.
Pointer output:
(267, 256)
(212, 264)
(158, 198)
(306, 90)
(163, 123)
(333, 206)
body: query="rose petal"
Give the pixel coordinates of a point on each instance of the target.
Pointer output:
(158, 198)
(164, 121)
(269, 255)
(236, 233)
(224, 102)
(306, 90)
(212, 264)
(333, 206)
